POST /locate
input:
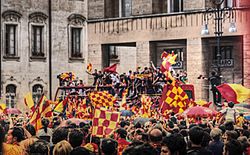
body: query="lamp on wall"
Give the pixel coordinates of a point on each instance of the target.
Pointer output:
(205, 30)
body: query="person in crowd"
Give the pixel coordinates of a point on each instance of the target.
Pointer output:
(245, 145)
(109, 146)
(216, 145)
(40, 147)
(121, 135)
(232, 147)
(75, 138)
(62, 148)
(155, 139)
(12, 146)
(80, 151)
(45, 132)
(173, 145)
(230, 113)
(196, 135)
(59, 134)
(28, 129)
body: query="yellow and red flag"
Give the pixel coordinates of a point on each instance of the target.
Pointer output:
(175, 99)
(102, 99)
(28, 100)
(60, 106)
(124, 99)
(146, 104)
(43, 110)
(89, 68)
(104, 122)
(234, 92)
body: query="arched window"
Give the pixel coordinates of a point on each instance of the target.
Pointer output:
(11, 21)
(10, 96)
(76, 35)
(38, 31)
(37, 91)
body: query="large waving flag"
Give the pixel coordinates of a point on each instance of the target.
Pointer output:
(104, 122)
(146, 104)
(234, 92)
(28, 100)
(111, 69)
(60, 106)
(43, 110)
(174, 99)
(102, 99)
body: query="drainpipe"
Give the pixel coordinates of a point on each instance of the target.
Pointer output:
(50, 51)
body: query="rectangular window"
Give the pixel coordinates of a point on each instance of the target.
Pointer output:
(175, 6)
(10, 40)
(76, 42)
(126, 8)
(37, 41)
(225, 52)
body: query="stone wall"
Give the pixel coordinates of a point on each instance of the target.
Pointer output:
(24, 71)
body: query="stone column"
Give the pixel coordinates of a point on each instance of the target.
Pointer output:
(142, 54)
(196, 66)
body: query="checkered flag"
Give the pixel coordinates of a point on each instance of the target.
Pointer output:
(104, 122)
(102, 99)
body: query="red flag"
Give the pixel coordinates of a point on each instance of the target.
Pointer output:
(111, 69)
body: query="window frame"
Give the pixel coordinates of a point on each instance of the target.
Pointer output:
(11, 95)
(36, 94)
(33, 40)
(77, 21)
(11, 17)
(73, 53)
(171, 6)
(38, 19)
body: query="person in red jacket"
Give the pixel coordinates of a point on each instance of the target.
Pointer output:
(120, 136)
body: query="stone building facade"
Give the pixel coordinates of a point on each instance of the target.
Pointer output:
(147, 27)
(43, 38)
(26, 45)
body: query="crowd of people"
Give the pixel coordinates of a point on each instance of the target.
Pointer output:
(155, 136)
(149, 80)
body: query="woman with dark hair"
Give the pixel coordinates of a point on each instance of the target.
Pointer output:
(174, 145)
(45, 132)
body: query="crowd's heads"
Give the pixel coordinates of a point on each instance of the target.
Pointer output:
(109, 146)
(216, 133)
(75, 137)
(39, 147)
(15, 134)
(122, 133)
(230, 104)
(31, 129)
(80, 151)
(196, 135)
(155, 136)
(62, 148)
(59, 134)
(233, 147)
(144, 148)
(173, 144)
